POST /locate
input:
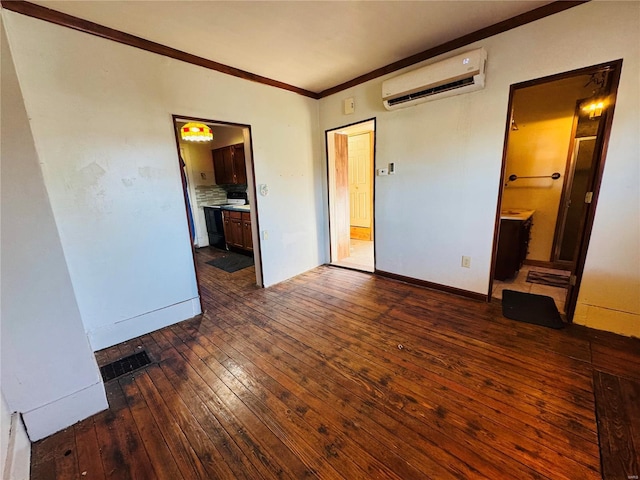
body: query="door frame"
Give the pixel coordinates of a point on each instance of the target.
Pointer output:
(251, 190)
(615, 67)
(373, 185)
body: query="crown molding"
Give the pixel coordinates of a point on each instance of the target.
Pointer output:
(75, 23)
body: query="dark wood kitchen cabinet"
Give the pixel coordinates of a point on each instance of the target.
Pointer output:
(247, 238)
(237, 229)
(229, 165)
(513, 245)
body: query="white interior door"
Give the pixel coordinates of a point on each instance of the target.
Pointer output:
(360, 180)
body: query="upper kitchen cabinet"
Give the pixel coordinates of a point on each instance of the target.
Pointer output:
(229, 165)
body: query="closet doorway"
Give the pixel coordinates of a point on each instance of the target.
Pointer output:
(350, 172)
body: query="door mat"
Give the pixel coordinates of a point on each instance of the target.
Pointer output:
(231, 262)
(551, 279)
(530, 308)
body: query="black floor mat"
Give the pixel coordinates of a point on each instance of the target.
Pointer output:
(530, 308)
(231, 262)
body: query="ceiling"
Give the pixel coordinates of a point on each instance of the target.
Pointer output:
(314, 45)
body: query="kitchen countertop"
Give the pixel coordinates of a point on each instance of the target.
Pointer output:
(236, 208)
(516, 214)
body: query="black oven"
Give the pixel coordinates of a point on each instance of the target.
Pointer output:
(215, 228)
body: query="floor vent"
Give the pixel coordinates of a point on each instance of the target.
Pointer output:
(124, 365)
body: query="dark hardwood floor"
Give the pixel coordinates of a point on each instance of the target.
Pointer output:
(338, 374)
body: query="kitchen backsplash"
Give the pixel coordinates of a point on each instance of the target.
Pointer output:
(210, 195)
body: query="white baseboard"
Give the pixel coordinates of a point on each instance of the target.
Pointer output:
(109, 335)
(18, 461)
(64, 412)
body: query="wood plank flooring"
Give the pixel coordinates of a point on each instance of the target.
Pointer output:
(337, 374)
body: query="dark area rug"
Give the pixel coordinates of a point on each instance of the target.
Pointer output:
(231, 262)
(530, 308)
(546, 278)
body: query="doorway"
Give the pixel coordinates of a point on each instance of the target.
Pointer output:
(350, 169)
(555, 148)
(220, 200)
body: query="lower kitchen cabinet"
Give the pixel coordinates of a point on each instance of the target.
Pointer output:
(247, 238)
(237, 229)
(513, 245)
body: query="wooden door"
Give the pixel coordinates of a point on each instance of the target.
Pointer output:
(236, 232)
(226, 225)
(360, 180)
(227, 156)
(219, 170)
(232, 228)
(342, 213)
(239, 166)
(247, 238)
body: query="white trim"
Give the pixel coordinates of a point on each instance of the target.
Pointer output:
(109, 335)
(18, 460)
(60, 414)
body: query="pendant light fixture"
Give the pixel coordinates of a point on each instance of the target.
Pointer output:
(196, 132)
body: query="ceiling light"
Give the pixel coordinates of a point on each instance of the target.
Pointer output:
(594, 108)
(196, 132)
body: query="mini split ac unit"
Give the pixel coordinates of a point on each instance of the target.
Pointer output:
(452, 76)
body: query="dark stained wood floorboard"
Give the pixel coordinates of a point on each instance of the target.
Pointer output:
(427, 402)
(306, 379)
(617, 402)
(312, 408)
(88, 451)
(413, 370)
(333, 382)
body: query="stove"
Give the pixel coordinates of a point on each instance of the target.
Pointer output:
(236, 198)
(213, 217)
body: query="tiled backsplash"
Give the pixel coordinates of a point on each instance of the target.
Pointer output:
(210, 195)
(215, 194)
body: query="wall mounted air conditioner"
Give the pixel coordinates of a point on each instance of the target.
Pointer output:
(452, 76)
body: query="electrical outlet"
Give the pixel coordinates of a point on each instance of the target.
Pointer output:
(466, 262)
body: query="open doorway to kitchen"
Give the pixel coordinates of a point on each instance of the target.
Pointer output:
(555, 146)
(216, 166)
(350, 168)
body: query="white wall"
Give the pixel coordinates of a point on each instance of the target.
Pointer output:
(101, 118)
(442, 202)
(49, 373)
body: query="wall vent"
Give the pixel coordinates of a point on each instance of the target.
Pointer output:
(124, 365)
